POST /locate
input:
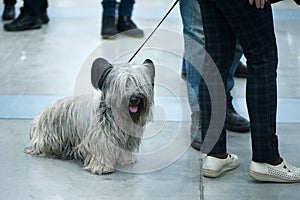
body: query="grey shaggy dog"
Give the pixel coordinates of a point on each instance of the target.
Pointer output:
(101, 130)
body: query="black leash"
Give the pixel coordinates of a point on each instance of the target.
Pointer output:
(161, 21)
(201, 184)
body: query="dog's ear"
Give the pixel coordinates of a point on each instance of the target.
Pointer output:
(100, 70)
(148, 63)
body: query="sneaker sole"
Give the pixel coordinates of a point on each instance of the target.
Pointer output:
(128, 33)
(109, 37)
(214, 174)
(269, 178)
(24, 28)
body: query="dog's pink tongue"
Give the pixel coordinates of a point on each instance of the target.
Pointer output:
(133, 109)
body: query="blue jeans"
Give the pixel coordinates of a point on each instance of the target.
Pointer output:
(193, 33)
(125, 7)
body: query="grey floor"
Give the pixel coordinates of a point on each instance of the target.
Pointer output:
(38, 67)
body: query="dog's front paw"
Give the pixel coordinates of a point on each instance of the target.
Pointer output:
(127, 159)
(127, 162)
(101, 169)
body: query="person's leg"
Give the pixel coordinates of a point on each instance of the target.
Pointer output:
(44, 5)
(221, 50)
(193, 53)
(33, 7)
(212, 91)
(193, 47)
(236, 59)
(109, 27)
(234, 121)
(9, 9)
(125, 23)
(255, 31)
(29, 18)
(44, 16)
(109, 8)
(193, 30)
(126, 7)
(10, 2)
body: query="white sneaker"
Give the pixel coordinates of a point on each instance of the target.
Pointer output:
(282, 173)
(214, 167)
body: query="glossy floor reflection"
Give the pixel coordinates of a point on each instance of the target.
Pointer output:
(37, 67)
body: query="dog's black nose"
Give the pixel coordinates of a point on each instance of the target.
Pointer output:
(134, 100)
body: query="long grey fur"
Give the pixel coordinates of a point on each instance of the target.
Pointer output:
(97, 129)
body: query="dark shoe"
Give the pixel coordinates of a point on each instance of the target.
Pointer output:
(44, 18)
(9, 12)
(195, 130)
(183, 75)
(23, 22)
(109, 28)
(234, 121)
(128, 27)
(241, 70)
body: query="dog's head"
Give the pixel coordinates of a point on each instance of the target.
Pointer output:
(126, 89)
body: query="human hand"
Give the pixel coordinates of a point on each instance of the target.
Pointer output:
(258, 3)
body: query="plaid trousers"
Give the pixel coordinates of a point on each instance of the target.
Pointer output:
(224, 22)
